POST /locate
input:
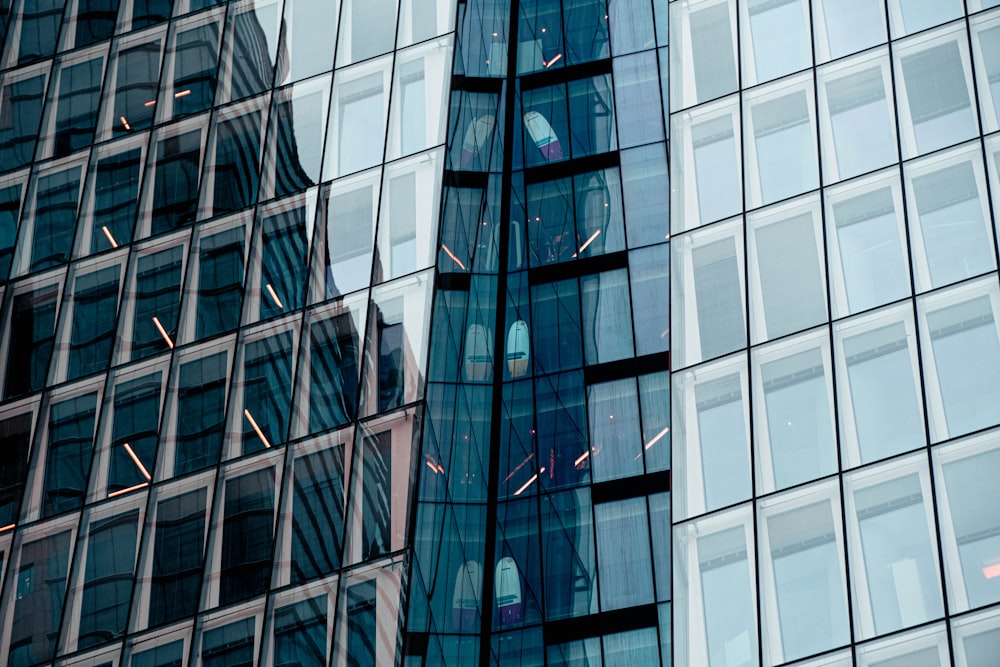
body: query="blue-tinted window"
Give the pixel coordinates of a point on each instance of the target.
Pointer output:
(284, 262)
(116, 190)
(107, 583)
(95, 308)
(361, 633)
(32, 334)
(220, 282)
(333, 389)
(136, 424)
(195, 58)
(300, 633)
(149, 12)
(38, 599)
(177, 557)
(247, 536)
(15, 436)
(135, 92)
(201, 407)
(229, 646)
(95, 21)
(40, 21)
(175, 191)
(317, 514)
(55, 218)
(168, 655)
(267, 390)
(20, 115)
(376, 517)
(76, 108)
(67, 462)
(157, 299)
(10, 205)
(237, 154)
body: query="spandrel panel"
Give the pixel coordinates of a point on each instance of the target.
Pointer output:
(964, 472)
(961, 357)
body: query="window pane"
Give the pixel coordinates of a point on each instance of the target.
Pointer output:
(107, 586)
(201, 405)
(67, 461)
(38, 599)
(177, 557)
(623, 553)
(317, 514)
(245, 569)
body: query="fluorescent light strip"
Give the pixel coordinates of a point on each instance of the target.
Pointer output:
(274, 296)
(130, 489)
(138, 463)
(260, 434)
(656, 438)
(452, 255)
(163, 332)
(107, 233)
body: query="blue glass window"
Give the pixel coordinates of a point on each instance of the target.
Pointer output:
(229, 646)
(10, 206)
(247, 536)
(40, 21)
(157, 299)
(300, 633)
(20, 116)
(107, 584)
(38, 600)
(76, 110)
(175, 191)
(135, 92)
(361, 633)
(55, 218)
(177, 557)
(67, 464)
(136, 424)
(333, 389)
(284, 262)
(267, 390)
(376, 517)
(200, 413)
(237, 156)
(32, 334)
(149, 12)
(317, 514)
(15, 437)
(95, 21)
(116, 190)
(220, 282)
(168, 655)
(95, 309)
(195, 59)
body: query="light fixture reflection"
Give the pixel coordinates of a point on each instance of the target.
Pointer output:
(531, 480)
(452, 255)
(256, 429)
(274, 296)
(135, 459)
(656, 438)
(125, 123)
(163, 332)
(107, 233)
(992, 571)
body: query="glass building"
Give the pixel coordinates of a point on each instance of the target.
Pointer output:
(373, 332)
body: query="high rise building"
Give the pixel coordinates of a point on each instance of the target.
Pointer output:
(373, 332)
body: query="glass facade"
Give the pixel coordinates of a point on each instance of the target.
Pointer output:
(372, 332)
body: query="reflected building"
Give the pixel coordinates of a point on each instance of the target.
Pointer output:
(345, 333)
